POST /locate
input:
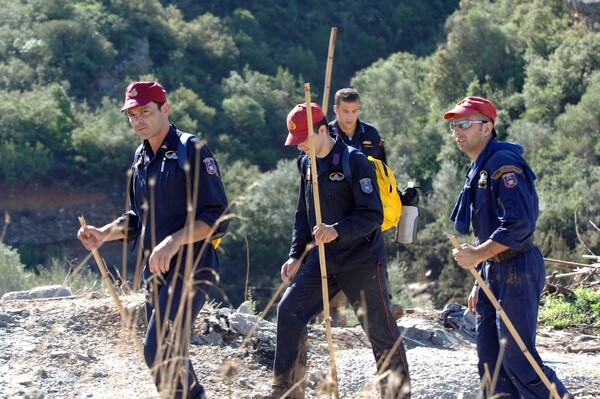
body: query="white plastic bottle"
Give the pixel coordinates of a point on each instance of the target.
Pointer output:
(406, 233)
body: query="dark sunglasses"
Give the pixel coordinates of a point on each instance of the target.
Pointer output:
(464, 124)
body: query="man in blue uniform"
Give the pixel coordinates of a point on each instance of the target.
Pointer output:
(352, 130)
(180, 260)
(500, 201)
(364, 137)
(356, 259)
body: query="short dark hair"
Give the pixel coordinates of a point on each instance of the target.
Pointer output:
(348, 95)
(322, 122)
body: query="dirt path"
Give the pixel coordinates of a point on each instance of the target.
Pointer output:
(76, 348)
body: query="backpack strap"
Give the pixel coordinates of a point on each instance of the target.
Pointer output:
(182, 154)
(137, 153)
(346, 162)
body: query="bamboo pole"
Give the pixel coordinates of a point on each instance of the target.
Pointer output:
(328, 69)
(510, 326)
(124, 316)
(321, 246)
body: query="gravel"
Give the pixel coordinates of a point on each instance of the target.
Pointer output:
(76, 348)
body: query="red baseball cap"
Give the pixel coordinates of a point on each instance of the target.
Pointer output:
(473, 105)
(297, 122)
(138, 94)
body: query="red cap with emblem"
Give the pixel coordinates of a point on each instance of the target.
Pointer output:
(138, 94)
(297, 122)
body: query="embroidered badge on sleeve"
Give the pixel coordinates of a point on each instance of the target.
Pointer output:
(366, 186)
(211, 167)
(510, 180)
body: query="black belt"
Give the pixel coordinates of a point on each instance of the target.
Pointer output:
(511, 253)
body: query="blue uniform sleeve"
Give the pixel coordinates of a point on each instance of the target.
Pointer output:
(367, 214)
(130, 221)
(516, 201)
(301, 234)
(212, 200)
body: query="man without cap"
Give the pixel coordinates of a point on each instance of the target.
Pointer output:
(356, 259)
(350, 129)
(177, 285)
(364, 137)
(500, 201)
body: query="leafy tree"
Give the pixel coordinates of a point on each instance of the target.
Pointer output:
(266, 216)
(190, 113)
(104, 143)
(577, 128)
(76, 53)
(477, 49)
(257, 106)
(252, 42)
(24, 162)
(34, 128)
(561, 79)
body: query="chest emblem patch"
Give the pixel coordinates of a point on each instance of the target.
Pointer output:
(171, 154)
(366, 186)
(510, 180)
(210, 165)
(336, 176)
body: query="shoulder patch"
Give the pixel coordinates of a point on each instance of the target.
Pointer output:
(366, 185)
(505, 169)
(510, 180)
(210, 165)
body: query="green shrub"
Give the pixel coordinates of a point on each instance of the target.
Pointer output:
(14, 276)
(561, 312)
(24, 162)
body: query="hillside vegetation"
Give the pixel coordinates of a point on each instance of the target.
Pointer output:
(234, 69)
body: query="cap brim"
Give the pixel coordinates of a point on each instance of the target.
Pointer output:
(135, 102)
(296, 138)
(459, 110)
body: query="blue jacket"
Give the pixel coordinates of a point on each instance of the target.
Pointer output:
(499, 196)
(366, 139)
(169, 195)
(353, 208)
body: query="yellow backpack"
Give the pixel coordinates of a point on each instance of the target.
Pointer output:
(388, 190)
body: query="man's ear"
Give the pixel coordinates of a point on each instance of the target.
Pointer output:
(166, 109)
(489, 126)
(322, 129)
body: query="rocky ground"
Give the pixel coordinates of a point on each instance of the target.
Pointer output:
(75, 347)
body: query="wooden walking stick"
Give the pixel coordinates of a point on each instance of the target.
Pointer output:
(113, 294)
(328, 70)
(510, 326)
(321, 246)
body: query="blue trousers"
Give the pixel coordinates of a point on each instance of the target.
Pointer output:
(367, 291)
(162, 349)
(517, 285)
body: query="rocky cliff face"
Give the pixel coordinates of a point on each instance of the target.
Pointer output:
(42, 220)
(586, 11)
